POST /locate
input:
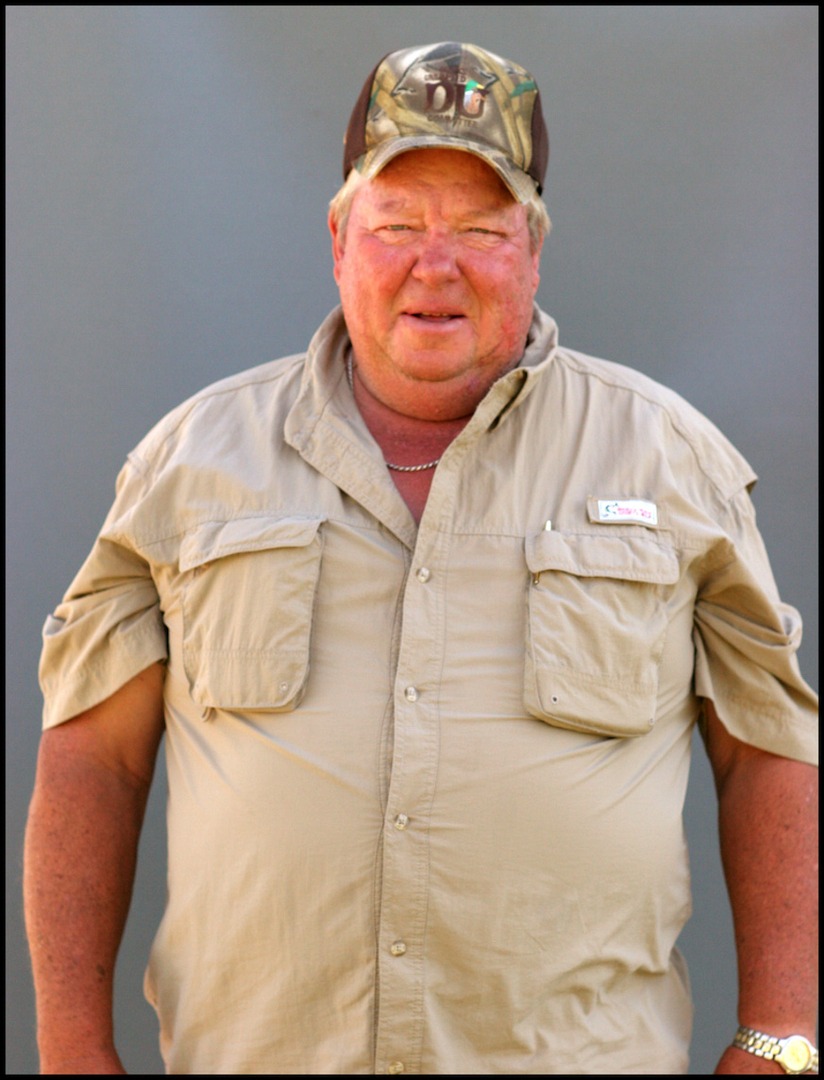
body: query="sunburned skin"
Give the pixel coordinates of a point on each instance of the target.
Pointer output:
(437, 279)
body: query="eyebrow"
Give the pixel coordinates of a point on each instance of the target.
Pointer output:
(484, 212)
(390, 205)
(396, 205)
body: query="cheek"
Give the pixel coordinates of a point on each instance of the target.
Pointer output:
(367, 283)
(509, 301)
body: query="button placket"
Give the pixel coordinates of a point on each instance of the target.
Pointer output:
(405, 850)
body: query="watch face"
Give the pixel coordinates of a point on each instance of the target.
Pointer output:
(795, 1054)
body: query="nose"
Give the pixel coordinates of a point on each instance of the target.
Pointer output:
(436, 258)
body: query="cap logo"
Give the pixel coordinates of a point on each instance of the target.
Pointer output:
(447, 91)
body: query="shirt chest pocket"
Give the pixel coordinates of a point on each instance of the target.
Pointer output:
(597, 621)
(248, 599)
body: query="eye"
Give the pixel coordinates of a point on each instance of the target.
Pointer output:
(396, 228)
(488, 236)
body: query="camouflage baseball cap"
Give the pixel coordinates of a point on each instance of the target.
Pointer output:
(456, 96)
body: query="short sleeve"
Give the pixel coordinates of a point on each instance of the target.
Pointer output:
(108, 627)
(746, 642)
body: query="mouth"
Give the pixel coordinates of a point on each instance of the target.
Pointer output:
(434, 318)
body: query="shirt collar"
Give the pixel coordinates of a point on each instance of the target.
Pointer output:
(324, 373)
(327, 430)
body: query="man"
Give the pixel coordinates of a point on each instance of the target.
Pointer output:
(427, 615)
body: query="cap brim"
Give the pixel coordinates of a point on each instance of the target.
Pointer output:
(522, 186)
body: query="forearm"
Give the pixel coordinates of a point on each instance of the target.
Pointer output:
(768, 810)
(80, 856)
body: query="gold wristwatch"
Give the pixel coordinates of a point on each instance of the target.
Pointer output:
(794, 1054)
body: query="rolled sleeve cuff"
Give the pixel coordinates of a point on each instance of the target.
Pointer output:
(89, 654)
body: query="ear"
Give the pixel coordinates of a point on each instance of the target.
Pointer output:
(337, 247)
(536, 267)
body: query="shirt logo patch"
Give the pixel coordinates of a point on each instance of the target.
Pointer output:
(623, 510)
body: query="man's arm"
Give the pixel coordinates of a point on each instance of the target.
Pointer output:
(768, 822)
(93, 778)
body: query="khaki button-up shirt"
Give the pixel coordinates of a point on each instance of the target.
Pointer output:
(426, 783)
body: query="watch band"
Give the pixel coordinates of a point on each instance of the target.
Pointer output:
(794, 1054)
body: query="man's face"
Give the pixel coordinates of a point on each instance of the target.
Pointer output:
(436, 279)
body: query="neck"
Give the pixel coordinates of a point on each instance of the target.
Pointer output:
(404, 439)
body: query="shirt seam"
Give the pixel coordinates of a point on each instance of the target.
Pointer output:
(146, 542)
(664, 407)
(254, 376)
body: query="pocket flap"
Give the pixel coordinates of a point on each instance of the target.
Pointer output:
(215, 539)
(627, 557)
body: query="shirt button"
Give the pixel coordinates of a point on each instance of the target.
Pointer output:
(397, 948)
(424, 575)
(401, 821)
(410, 693)
(396, 1067)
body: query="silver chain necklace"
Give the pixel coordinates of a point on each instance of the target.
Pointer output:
(398, 468)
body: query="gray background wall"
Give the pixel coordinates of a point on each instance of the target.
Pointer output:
(168, 173)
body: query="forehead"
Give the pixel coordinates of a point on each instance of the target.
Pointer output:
(440, 172)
